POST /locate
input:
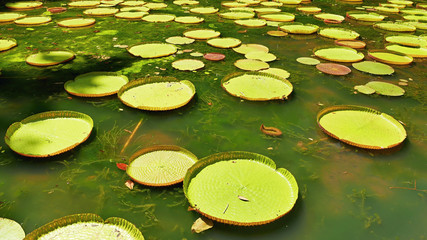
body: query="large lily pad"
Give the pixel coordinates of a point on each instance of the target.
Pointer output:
(157, 93)
(84, 4)
(361, 127)
(250, 47)
(395, 26)
(7, 43)
(330, 17)
(374, 68)
(87, 226)
(407, 40)
(365, 16)
(390, 57)
(101, 11)
(10, 16)
(76, 22)
(385, 88)
(338, 33)
(204, 10)
(160, 165)
(201, 34)
(339, 54)
(299, 28)
(33, 20)
(416, 52)
(158, 18)
(251, 22)
(23, 5)
(48, 133)
(96, 84)
(278, 17)
(256, 86)
(188, 64)
(237, 14)
(11, 230)
(49, 58)
(251, 64)
(152, 50)
(240, 188)
(189, 19)
(224, 42)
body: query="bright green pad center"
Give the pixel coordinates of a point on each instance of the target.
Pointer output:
(364, 128)
(257, 87)
(161, 95)
(96, 83)
(160, 167)
(216, 189)
(88, 230)
(49, 136)
(49, 58)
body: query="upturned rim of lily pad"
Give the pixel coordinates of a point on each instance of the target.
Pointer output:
(71, 56)
(391, 57)
(17, 16)
(101, 11)
(84, 22)
(355, 44)
(168, 163)
(41, 20)
(16, 6)
(340, 56)
(298, 28)
(12, 43)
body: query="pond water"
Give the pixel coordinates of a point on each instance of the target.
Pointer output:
(344, 191)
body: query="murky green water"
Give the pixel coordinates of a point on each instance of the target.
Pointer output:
(344, 191)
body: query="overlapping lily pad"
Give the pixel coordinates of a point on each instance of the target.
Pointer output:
(374, 68)
(251, 22)
(339, 54)
(250, 47)
(160, 165)
(277, 71)
(361, 127)
(157, 93)
(7, 43)
(240, 188)
(189, 19)
(49, 133)
(96, 84)
(251, 64)
(87, 226)
(130, 15)
(179, 40)
(237, 14)
(261, 55)
(330, 17)
(83, 4)
(365, 16)
(256, 86)
(204, 10)
(311, 9)
(356, 44)
(50, 58)
(390, 57)
(416, 52)
(338, 33)
(385, 88)
(158, 18)
(152, 50)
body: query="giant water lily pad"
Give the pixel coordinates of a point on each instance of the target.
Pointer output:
(130, 15)
(385, 88)
(204, 10)
(416, 52)
(308, 60)
(152, 50)
(251, 64)
(365, 16)
(250, 47)
(7, 43)
(374, 68)
(24, 5)
(189, 19)
(256, 86)
(84, 3)
(201, 34)
(339, 54)
(395, 26)
(299, 28)
(310, 9)
(11, 230)
(278, 17)
(159, 18)
(407, 40)
(188, 64)
(277, 71)
(155, 5)
(224, 42)
(101, 11)
(390, 57)
(338, 33)
(48, 133)
(49, 58)
(240, 188)
(356, 44)
(132, 3)
(33, 20)
(87, 226)
(160, 165)
(251, 22)
(10, 16)
(76, 22)
(237, 14)
(267, 10)
(96, 84)
(157, 93)
(179, 40)
(361, 126)
(330, 17)
(260, 55)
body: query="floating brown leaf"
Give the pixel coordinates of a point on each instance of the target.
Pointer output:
(243, 198)
(271, 131)
(201, 224)
(122, 166)
(129, 184)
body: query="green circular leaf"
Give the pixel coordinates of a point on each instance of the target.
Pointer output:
(76, 22)
(385, 88)
(11, 230)
(201, 34)
(224, 42)
(95, 84)
(308, 60)
(7, 43)
(49, 58)
(339, 54)
(188, 64)
(338, 33)
(375, 68)
(152, 50)
(390, 57)
(251, 64)
(34, 20)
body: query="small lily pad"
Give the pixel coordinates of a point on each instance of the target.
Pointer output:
(214, 56)
(356, 44)
(251, 22)
(333, 69)
(10, 16)
(299, 28)
(277, 71)
(339, 54)
(416, 52)
(308, 60)
(152, 50)
(390, 57)
(385, 88)
(49, 58)
(278, 17)
(364, 89)
(251, 64)
(7, 43)
(204, 10)
(156, 18)
(189, 19)
(11, 230)
(23, 5)
(95, 84)
(338, 33)
(250, 47)
(100, 12)
(202, 34)
(179, 40)
(76, 22)
(374, 68)
(330, 16)
(188, 64)
(395, 26)
(224, 42)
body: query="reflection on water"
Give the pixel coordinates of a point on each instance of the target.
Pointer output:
(344, 191)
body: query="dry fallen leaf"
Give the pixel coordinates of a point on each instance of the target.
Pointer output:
(243, 198)
(129, 184)
(122, 166)
(201, 224)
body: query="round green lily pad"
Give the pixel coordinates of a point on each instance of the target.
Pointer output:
(278, 17)
(96, 84)
(364, 89)
(152, 50)
(308, 60)
(277, 33)
(395, 26)
(179, 40)
(263, 10)
(204, 10)
(240, 188)
(251, 22)
(189, 19)
(333, 69)
(365, 16)
(374, 68)
(386, 9)
(160, 165)
(233, 4)
(157, 93)
(135, 9)
(131, 3)
(7, 43)
(101, 11)
(155, 5)
(84, 3)
(130, 15)
(290, 2)
(49, 58)
(201, 34)
(330, 16)
(339, 54)
(385, 88)
(338, 33)
(23, 5)
(188, 64)
(35, 20)
(277, 71)
(299, 28)
(271, 4)
(237, 14)
(407, 40)
(416, 52)
(11, 230)
(390, 57)
(87, 226)
(76, 22)
(257, 86)
(361, 127)
(158, 17)
(185, 2)
(261, 55)
(224, 42)
(418, 25)
(311, 9)
(251, 64)
(10, 16)
(356, 44)
(49, 133)
(250, 47)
